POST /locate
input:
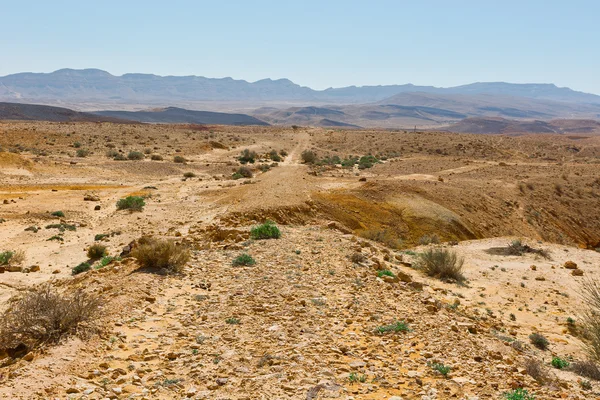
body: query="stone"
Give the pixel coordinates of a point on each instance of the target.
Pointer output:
(577, 272)
(97, 207)
(72, 390)
(570, 265)
(34, 268)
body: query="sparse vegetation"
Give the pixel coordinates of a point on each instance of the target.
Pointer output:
(156, 157)
(559, 363)
(12, 257)
(309, 157)
(179, 159)
(539, 341)
(82, 153)
(442, 264)
(44, 315)
(189, 175)
(519, 394)
(590, 321)
(232, 321)
(242, 172)
(83, 267)
(587, 369)
(441, 368)
(354, 378)
(398, 326)
(161, 254)
(135, 155)
(131, 203)
(268, 230)
(96, 251)
(58, 214)
(247, 156)
(243, 260)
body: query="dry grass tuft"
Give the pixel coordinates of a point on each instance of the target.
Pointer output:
(161, 254)
(44, 315)
(442, 264)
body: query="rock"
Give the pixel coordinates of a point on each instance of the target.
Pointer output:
(91, 197)
(570, 265)
(34, 268)
(418, 286)
(339, 227)
(56, 271)
(222, 381)
(389, 279)
(540, 278)
(577, 272)
(404, 277)
(533, 268)
(2, 270)
(72, 390)
(28, 356)
(13, 268)
(97, 207)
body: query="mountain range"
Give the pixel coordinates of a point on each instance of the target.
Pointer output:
(284, 102)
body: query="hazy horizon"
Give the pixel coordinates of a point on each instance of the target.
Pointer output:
(314, 44)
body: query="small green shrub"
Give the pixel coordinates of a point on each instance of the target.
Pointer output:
(81, 268)
(385, 272)
(179, 159)
(441, 368)
(107, 260)
(100, 236)
(367, 162)
(399, 326)
(518, 394)
(135, 155)
(62, 227)
(354, 377)
(161, 254)
(243, 172)
(274, 156)
(133, 203)
(559, 363)
(11, 257)
(243, 260)
(96, 251)
(82, 153)
(539, 341)
(77, 145)
(232, 321)
(119, 157)
(247, 156)
(112, 153)
(58, 214)
(268, 230)
(156, 157)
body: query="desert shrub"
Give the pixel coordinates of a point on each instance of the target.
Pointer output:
(247, 156)
(274, 156)
(587, 369)
(58, 214)
(283, 153)
(398, 326)
(358, 258)
(62, 227)
(147, 151)
(429, 239)
(12, 257)
(161, 254)
(385, 272)
(100, 236)
(77, 145)
(119, 157)
(243, 260)
(96, 251)
(519, 394)
(133, 203)
(156, 157)
(367, 161)
(189, 175)
(244, 172)
(112, 153)
(441, 368)
(82, 153)
(179, 159)
(135, 155)
(83, 267)
(590, 319)
(309, 156)
(442, 264)
(43, 315)
(559, 363)
(539, 341)
(538, 371)
(268, 230)
(349, 162)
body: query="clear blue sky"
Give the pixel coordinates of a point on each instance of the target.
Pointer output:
(314, 43)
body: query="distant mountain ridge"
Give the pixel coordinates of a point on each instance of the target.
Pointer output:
(174, 115)
(89, 85)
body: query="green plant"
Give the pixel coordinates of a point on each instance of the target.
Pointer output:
(385, 272)
(44, 315)
(189, 175)
(107, 260)
(559, 363)
(82, 153)
(232, 321)
(83, 267)
(247, 156)
(77, 145)
(519, 394)
(268, 230)
(179, 159)
(243, 259)
(585, 385)
(274, 156)
(398, 326)
(96, 251)
(135, 155)
(132, 203)
(442, 264)
(309, 156)
(58, 214)
(243, 172)
(539, 341)
(354, 377)
(367, 161)
(441, 368)
(100, 236)
(159, 254)
(156, 157)
(62, 227)
(12, 257)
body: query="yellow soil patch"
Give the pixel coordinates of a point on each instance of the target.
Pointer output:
(11, 160)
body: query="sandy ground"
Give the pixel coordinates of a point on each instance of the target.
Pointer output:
(307, 313)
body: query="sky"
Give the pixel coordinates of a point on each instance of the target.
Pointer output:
(319, 44)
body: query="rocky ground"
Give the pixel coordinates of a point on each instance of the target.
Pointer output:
(306, 321)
